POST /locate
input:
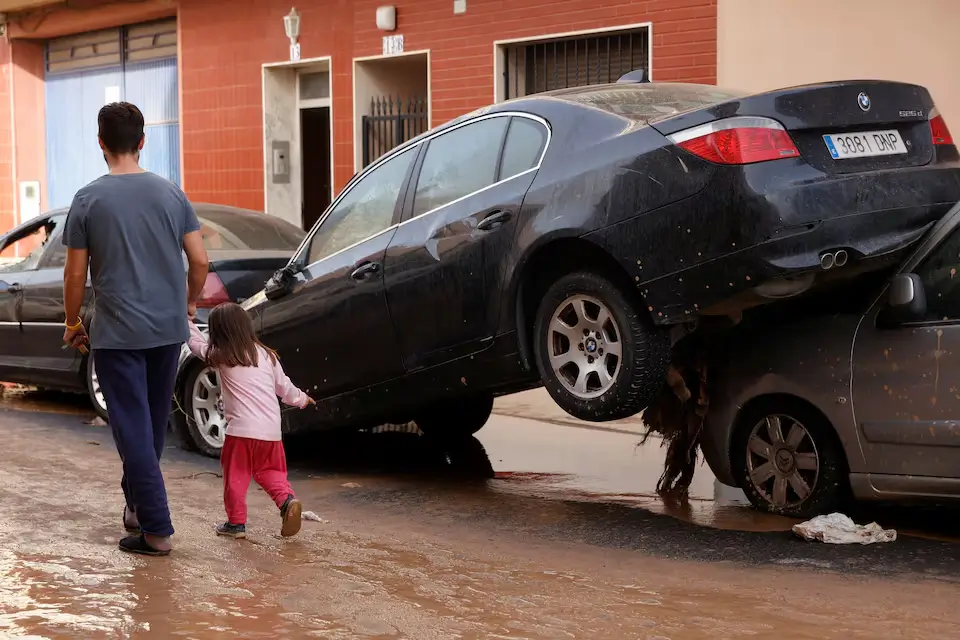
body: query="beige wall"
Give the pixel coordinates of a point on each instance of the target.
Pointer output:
(766, 44)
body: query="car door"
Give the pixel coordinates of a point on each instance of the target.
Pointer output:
(20, 257)
(333, 330)
(906, 392)
(43, 314)
(444, 266)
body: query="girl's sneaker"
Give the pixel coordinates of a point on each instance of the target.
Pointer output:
(232, 530)
(291, 512)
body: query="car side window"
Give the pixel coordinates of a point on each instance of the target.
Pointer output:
(521, 152)
(56, 253)
(459, 162)
(23, 253)
(940, 272)
(366, 210)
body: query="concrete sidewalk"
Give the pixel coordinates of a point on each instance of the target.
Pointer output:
(538, 405)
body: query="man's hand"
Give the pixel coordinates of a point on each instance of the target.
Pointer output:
(192, 311)
(76, 337)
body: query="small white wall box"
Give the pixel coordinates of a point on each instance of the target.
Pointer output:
(387, 18)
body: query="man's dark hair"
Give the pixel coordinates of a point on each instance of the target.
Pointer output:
(121, 127)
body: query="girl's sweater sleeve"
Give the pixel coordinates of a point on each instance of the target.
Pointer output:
(286, 390)
(197, 342)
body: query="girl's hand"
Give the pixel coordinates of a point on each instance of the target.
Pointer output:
(309, 401)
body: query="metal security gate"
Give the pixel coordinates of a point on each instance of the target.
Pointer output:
(137, 64)
(392, 121)
(576, 61)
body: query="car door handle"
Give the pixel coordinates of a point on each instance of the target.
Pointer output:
(364, 270)
(15, 288)
(494, 220)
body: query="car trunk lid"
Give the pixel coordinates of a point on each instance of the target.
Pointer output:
(872, 117)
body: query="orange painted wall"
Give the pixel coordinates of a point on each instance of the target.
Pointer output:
(222, 51)
(7, 215)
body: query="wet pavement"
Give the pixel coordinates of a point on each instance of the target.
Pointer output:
(540, 528)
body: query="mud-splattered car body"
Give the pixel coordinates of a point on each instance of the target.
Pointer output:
(654, 203)
(873, 376)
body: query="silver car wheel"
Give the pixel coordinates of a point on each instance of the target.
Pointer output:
(584, 346)
(782, 461)
(96, 392)
(207, 407)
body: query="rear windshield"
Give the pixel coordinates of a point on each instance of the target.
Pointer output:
(649, 102)
(235, 229)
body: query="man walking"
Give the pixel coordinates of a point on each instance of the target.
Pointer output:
(129, 227)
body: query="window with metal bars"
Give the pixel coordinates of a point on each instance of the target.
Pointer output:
(112, 47)
(576, 61)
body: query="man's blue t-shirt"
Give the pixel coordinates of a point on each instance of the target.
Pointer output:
(133, 225)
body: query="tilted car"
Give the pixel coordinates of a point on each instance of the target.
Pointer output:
(244, 247)
(858, 393)
(559, 239)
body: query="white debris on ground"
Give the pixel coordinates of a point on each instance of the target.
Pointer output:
(311, 516)
(837, 528)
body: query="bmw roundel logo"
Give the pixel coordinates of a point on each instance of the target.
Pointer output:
(863, 100)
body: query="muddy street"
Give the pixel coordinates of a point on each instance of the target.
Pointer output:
(540, 528)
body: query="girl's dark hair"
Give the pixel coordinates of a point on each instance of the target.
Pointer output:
(233, 342)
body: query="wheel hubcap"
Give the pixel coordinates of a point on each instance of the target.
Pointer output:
(782, 461)
(584, 346)
(95, 388)
(208, 407)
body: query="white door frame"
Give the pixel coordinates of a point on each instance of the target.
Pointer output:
(358, 153)
(499, 44)
(307, 64)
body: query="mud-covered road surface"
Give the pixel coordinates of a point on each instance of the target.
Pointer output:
(540, 528)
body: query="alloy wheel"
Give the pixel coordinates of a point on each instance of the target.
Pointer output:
(96, 391)
(207, 407)
(584, 346)
(783, 464)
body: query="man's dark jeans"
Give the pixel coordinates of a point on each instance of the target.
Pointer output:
(138, 388)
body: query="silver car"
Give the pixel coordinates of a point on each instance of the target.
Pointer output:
(863, 400)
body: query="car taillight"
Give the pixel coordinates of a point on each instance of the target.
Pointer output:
(739, 140)
(938, 128)
(213, 292)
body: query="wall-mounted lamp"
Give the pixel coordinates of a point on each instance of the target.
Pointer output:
(291, 24)
(387, 18)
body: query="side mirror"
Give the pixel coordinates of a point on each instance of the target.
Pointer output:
(906, 301)
(280, 283)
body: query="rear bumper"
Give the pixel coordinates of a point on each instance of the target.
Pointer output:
(761, 222)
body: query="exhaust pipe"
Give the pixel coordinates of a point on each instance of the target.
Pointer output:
(827, 261)
(840, 258)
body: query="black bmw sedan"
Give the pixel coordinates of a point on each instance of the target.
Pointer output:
(244, 247)
(568, 238)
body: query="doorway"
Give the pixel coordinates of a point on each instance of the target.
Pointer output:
(315, 154)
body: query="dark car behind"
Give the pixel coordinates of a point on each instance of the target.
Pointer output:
(245, 248)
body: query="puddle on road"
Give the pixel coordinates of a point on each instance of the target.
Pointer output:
(43, 401)
(565, 462)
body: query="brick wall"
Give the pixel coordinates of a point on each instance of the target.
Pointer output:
(224, 44)
(7, 213)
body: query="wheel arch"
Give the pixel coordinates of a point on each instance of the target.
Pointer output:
(759, 403)
(543, 265)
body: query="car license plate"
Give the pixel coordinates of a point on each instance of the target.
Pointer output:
(864, 144)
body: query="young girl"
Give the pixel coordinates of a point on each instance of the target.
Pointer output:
(251, 378)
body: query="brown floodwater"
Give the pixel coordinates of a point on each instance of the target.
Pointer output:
(362, 573)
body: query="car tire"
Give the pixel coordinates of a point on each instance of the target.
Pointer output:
(453, 420)
(804, 454)
(94, 391)
(622, 342)
(198, 418)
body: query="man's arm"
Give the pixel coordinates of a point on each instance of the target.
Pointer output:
(197, 262)
(74, 284)
(75, 270)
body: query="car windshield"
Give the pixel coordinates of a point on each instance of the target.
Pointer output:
(235, 229)
(648, 102)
